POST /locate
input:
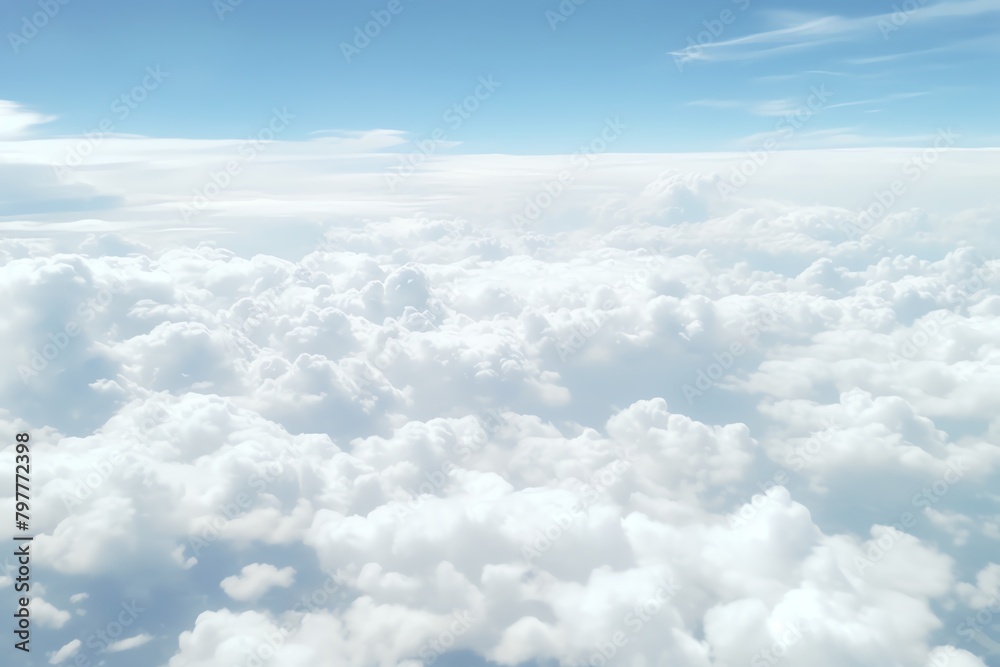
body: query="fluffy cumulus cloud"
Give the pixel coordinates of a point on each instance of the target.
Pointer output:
(47, 615)
(664, 424)
(255, 580)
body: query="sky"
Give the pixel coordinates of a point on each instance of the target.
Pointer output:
(518, 336)
(684, 76)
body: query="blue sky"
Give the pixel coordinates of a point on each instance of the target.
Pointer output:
(558, 84)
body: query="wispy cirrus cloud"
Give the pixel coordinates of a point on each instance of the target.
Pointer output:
(973, 45)
(879, 100)
(129, 643)
(801, 30)
(788, 105)
(888, 57)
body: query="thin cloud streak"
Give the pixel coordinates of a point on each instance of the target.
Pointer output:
(825, 30)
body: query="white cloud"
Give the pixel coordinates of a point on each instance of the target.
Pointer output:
(65, 653)
(129, 643)
(255, 580)
(16, 121)
(485, 435)
(801, 30)
(48, 615)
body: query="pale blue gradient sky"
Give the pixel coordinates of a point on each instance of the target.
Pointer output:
(892, 84)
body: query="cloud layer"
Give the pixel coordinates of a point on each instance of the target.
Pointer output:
(660, 424)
